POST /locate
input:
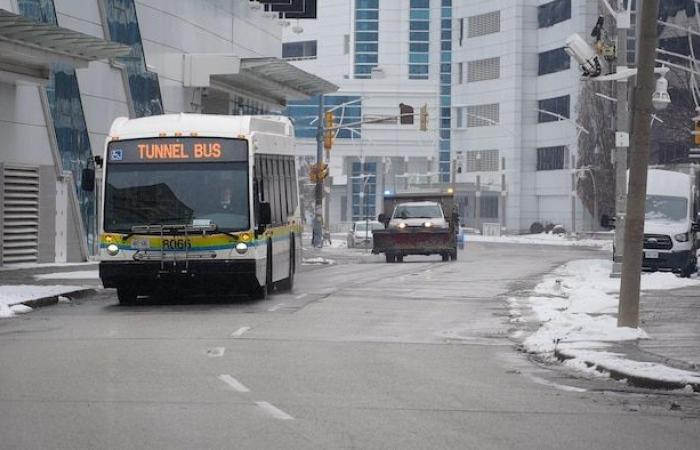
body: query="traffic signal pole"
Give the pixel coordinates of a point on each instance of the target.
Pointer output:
(628, 314)
(317, 239)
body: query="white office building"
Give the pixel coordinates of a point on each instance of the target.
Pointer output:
(68, 68)
(514, 97)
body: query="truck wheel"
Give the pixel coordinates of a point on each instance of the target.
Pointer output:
(399, 258)
(126, 295)
(453, 255)
(445, 256)
(390, 258)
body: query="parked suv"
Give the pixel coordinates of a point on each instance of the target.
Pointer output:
(361, 233)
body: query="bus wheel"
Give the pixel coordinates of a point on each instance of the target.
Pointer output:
(126, 295)
(288, 283)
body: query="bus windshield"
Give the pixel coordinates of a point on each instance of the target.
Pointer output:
(177, 194)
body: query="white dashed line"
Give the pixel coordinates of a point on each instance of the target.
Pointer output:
(300, 296)
(274, 411)
(276, 307)
(234, 383)
(240, 332)
(216, 352)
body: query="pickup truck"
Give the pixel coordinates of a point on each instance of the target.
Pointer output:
(418, 228)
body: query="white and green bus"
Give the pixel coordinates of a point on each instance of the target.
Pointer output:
(199, 203)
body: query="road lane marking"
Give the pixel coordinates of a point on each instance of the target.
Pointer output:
(240, 332)
(216, 352)
(234, 383)
(276, 307)
(274, 411)
(300, 296)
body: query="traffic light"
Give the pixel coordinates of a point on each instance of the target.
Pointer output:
(696, 132)
(424, 118)
(329, 130)
(318, 172)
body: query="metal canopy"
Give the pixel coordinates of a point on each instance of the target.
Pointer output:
(33, 45)
(275, 78)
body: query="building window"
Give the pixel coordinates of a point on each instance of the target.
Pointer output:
(483, 115)
(552, 158)
(460, 72)
(551, 108)
(488, 205)
(445, 111)
(484, 24)
(553, 61)
(304, 114)
(299, 50)
(67, 116)
(553, 12)
(419, 40)
(406, 112)
(143, 85)
(366, 37)
(482, 161)
(484, 69)
(364, 190)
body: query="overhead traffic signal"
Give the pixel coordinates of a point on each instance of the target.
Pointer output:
(318, 172)
(329, 130)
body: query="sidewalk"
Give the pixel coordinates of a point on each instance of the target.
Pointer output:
(24, 287)
(574, 319)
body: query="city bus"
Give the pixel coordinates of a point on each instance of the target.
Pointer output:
(199, 203)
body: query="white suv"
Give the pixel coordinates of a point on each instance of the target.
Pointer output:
(361, 233)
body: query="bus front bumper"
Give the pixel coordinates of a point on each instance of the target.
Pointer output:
(151, 275)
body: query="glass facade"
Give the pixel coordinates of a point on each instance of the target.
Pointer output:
(364, 190)
(304, 114)
(419, 40)
(554, 105)
(445, 108)
(143, 85)
(67, 115)
(552, 61)
(366, 37)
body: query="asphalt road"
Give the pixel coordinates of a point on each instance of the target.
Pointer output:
(361, 354)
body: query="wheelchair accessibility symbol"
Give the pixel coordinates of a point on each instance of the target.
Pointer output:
(116, 155)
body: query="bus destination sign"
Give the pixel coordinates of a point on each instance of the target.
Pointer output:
(189, 149)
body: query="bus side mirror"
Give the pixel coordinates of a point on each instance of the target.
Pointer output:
(87, 180)
(265, 213)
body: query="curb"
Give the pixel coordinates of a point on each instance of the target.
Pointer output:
(52, 300)
(632, 379)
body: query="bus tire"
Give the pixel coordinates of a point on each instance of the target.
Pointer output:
(260, 292)
(126, 295)
(288, 283)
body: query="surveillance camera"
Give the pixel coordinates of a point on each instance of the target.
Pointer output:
(584, 54)
(660, 98)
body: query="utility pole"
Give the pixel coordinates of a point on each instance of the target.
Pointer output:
(621, 145)
(317, 239)
(628, 315)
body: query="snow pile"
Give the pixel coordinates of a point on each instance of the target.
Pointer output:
(11, 296)
(577, 307)
(542, 239)
(79, 275)
(317, 261)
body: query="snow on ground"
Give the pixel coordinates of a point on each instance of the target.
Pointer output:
(316, 261)
(42, 265)
(541, 239)
(577, 307)
(78, 275)
(11, 296)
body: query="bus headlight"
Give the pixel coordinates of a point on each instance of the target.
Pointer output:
(683, 237)
(241, 248)
(112, 249)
